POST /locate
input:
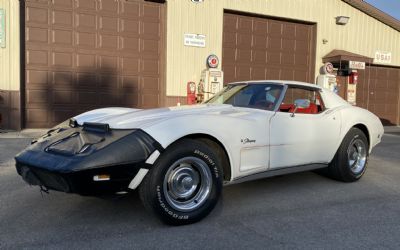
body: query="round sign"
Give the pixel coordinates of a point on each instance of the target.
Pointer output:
(328, 68)
(212, 61)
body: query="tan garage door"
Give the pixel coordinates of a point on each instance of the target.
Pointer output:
(380, 94)
(85, 54)
(261, 48)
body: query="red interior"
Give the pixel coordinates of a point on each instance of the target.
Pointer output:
(312, 109)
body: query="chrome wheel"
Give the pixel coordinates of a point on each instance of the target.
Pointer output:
(187, 184)
(357, 155)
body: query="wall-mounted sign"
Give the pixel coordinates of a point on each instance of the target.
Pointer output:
(2, 28)
(383, 57)
(356, 65)
(212, 61)
(194, 40)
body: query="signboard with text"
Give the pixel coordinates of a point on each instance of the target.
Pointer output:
(383, 57)
(2, 28)
(194, 40)
(356, 65)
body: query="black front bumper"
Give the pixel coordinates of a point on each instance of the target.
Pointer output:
(81, 182)
(68, 158)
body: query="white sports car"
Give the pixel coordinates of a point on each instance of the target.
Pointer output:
(180, 157)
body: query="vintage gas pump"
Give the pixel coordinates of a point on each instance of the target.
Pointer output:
(327, 79)
(191, 93)
(211, 80)
(352, 87)
(353, 78)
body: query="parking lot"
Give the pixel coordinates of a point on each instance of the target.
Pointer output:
(304, 210)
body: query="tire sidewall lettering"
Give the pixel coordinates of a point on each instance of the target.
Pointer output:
(165, 207)
(155, 196)
(211, 163)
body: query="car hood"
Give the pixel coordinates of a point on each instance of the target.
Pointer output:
(127, 118)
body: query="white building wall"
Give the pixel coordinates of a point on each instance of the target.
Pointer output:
(362, 35)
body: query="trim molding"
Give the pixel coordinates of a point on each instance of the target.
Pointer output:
(280, 171)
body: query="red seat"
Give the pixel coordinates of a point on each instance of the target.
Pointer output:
(286, 107)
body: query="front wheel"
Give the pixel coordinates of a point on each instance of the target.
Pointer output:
(185, 183)
(350, 161)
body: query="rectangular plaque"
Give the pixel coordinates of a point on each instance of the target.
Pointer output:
(383, 57)
(194, 40)
(2, 28)
(356, 65)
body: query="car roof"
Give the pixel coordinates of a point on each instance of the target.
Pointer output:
(330, 98)
(281, 82)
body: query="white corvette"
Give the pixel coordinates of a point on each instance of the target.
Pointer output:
(180, 157)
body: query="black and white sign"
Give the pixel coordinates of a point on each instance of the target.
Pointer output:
(194, 40)
(356, 65)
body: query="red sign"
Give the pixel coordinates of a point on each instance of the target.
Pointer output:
(212, 61)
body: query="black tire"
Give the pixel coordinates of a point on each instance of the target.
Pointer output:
(169, 188)
(351, 159)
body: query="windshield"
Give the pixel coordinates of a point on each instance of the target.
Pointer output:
(258, 96)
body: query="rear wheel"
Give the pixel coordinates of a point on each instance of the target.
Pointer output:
(351, 159)
(185, 183)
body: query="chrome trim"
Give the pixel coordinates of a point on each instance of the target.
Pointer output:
(279, 171)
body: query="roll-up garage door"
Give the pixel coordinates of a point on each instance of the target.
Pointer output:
(378, 90)
(257, 48)
(86, 54)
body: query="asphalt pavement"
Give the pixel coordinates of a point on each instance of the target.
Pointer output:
(298, 211)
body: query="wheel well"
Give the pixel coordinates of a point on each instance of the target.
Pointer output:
(364, 129)
(218, 148)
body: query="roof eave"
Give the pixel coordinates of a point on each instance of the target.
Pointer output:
(375, 13)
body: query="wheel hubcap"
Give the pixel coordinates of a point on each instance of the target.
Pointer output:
(357, 155)
(187, 184)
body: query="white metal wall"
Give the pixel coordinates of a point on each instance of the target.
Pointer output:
(10, 55)
(362, 35)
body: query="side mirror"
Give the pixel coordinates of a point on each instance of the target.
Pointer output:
(300, 103)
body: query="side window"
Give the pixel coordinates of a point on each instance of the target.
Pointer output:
(294, 92)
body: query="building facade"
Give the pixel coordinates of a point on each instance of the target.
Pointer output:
(63, 57)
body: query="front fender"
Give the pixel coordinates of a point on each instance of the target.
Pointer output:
(229, 131)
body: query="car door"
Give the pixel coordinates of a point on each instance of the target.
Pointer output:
(305, 137)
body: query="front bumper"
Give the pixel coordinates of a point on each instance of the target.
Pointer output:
(70, 159)
(81, 182)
